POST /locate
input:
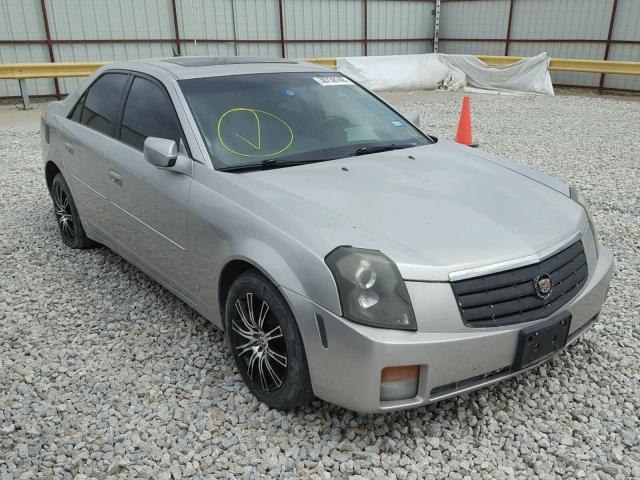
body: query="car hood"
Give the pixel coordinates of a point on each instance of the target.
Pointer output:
(433, 210)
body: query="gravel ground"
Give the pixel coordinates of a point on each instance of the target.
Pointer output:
(105, 373)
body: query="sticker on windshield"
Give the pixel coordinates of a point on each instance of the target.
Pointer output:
(396, 123)
(333, 81)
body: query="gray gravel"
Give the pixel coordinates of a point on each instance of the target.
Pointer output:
(104, 373)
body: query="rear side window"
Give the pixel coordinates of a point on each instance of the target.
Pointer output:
(101, 102)
(148, 113)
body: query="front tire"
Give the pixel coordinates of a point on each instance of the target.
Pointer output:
(67, 218)
(266, 343)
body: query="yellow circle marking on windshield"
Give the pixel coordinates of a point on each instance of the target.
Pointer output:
(257, 145)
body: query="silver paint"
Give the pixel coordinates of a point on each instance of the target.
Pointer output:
(440, 212)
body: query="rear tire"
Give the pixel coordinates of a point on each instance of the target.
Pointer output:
(266, 343)
(67, 218)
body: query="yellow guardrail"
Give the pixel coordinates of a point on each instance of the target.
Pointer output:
(327, 62)
(23, 71)
(16, 71)
(574, 65)
(557, 64)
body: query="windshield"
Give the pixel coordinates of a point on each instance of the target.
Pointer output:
(292, 118)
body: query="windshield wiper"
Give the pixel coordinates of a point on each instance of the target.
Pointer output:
(381, 148)
(265, 165)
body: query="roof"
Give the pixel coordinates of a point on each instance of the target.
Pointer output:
(211, 61)
(197, 67)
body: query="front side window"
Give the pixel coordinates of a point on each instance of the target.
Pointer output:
(101, 102)
(148, 113)
(249, 119)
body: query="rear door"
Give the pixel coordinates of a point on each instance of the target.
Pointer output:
(149, 204)
(86, 135)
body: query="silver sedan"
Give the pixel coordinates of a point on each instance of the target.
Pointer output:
(345, 253)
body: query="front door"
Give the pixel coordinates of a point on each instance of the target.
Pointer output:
(149, 204)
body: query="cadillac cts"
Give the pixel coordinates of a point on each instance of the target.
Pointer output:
(346, 254)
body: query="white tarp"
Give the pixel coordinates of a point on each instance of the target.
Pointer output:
(531, 74)
(432, 71)
(395, 72)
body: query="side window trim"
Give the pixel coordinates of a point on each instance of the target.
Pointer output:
(78, 107)
(121, 106)
(125, 98)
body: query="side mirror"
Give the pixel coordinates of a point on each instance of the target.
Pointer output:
(414, 117)
(160, 152)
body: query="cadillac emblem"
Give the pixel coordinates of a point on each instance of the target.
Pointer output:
(543, 286)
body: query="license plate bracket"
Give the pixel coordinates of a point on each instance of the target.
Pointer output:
(540, 340)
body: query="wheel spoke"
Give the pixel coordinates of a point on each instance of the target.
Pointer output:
(58, 193)
(263, 377)
(273, 334)
(250, 310)
(264, 309)
(247, 325)
(252, 362)
(244, 348)
(278, 357)
(66, 227)
(248, 334)
(277, 380)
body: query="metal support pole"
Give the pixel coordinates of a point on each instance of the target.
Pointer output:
(282, 46)
(614, 6)
(47, 32)
(436, 27)
(508, 39)
(24, 94)
(234, 22)
(175, 26)
(365, 27)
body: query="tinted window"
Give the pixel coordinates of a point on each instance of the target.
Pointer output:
(148, 113)
(101, 103)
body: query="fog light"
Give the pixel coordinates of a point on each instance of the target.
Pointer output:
(399, 383)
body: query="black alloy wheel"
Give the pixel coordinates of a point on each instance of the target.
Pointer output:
(266, 343)
(67, 218)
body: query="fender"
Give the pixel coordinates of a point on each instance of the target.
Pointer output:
(221, 231)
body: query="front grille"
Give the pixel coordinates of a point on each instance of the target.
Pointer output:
(510, 297)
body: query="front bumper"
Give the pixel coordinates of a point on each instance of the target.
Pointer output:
(346, 359)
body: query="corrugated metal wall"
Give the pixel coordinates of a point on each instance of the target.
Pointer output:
(94, 30)
(562, 28)
(473, 19)
(22, 20)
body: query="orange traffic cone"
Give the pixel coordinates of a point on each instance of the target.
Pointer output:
(463, 134)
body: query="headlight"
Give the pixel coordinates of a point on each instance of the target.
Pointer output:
(576, 196)
(371, 289)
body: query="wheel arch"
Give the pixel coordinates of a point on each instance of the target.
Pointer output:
(309, 278)
(50, 171)
(233, 268)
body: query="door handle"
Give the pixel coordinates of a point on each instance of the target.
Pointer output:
(115, 178)
(69, 148)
